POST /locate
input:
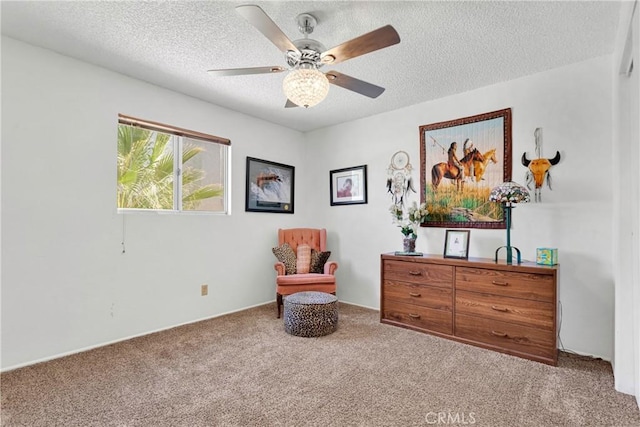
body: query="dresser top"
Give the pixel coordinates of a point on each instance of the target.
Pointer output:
(472, 262)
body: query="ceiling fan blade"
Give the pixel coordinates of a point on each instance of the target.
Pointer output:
(356, 85)
(245, 71)
(377, 39)
(290, 104)
(259, 19)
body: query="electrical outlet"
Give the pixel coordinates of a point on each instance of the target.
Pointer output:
(204, 290)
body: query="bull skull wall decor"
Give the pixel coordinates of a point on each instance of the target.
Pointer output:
(539, 168)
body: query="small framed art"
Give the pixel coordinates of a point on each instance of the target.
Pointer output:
(348, 186)
(269, 186)
(456, 244)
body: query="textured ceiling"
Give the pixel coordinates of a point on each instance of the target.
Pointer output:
(446, 47)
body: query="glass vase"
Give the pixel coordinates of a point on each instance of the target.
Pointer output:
(409, 244)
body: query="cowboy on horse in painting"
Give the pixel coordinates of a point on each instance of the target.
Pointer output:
(467, 147)
(454, 168)
(453, 159)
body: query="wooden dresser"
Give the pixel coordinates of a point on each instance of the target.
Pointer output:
(506, 308)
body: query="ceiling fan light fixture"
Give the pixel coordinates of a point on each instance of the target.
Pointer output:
(306, 87)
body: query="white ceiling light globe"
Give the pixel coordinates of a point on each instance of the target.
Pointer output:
(306, 87)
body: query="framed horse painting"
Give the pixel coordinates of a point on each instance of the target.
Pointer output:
(460, 162)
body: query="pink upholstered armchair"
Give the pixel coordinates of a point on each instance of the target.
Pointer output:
(287, 284)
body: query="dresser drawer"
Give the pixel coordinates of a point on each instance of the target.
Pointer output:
(536, 314)
(423, 295)
(539, 287)
(418, 316)
(507, 308)
(505, 335)
(414, 272)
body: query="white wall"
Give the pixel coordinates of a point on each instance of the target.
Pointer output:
(573, 106)
(66, 285)
(626, 250)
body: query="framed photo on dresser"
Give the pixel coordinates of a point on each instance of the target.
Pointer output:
(456, 244)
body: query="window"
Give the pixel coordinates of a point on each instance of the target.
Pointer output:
(165, 168)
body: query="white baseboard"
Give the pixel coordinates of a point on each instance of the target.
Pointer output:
(359, 305)
(82, 350)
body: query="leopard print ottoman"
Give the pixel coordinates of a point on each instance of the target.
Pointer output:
(310, 314)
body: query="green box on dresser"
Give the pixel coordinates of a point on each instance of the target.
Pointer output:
(507, 308)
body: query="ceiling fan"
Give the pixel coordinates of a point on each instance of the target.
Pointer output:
(305, 85)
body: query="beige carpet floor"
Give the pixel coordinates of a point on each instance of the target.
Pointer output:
(244, 370)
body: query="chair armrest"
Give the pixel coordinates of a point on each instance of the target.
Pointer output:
(330, 267)
(280, 268)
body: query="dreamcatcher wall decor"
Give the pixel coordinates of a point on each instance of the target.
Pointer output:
(399, 180)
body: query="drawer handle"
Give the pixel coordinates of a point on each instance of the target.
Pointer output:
(414, 294)
(503, 309)
(495, 282)
(499, 334)
(414, 316)
(415, 273)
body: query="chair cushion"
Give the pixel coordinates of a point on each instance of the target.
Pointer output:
(304, 259)
(285, 255)
(318, 260)
(304, 279)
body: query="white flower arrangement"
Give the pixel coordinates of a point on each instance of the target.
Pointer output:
(410, 221)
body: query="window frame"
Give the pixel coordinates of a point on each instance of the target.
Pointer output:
(178, 135)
